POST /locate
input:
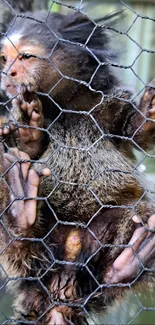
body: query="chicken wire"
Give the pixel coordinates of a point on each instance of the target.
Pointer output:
(5, 104)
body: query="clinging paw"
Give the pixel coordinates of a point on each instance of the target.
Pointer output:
(130, 262)
(23, 183)
(31, 119)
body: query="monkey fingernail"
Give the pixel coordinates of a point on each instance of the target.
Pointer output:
(136, 219)
(6, 130)
(46, 172)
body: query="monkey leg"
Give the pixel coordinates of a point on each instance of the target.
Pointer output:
(141, 247)
(24, 124)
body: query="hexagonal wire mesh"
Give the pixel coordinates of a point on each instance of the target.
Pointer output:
(69, 249)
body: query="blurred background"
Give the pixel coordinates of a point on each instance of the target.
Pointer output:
(134, 40)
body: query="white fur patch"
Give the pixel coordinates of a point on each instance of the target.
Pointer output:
(12, 39)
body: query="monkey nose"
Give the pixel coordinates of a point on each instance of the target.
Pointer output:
(13, 73)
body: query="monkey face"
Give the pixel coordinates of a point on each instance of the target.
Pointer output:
(26, 65)
(20, 66)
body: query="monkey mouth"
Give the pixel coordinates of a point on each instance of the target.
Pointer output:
(26, 93)
(22, 92)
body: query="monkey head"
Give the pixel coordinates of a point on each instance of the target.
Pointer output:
(41, 52)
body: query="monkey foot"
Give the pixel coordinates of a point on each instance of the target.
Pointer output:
(133, 258)
(23, 182)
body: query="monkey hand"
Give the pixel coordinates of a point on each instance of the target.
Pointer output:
(25, 125)
(134, 258)
(147, 104)
(23, 183)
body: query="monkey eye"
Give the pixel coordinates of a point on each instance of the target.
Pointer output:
(3, 58)
(26, 56)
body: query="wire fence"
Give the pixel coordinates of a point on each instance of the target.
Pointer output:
(77, 216)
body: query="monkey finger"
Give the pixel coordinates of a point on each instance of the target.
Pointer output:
(31, 205)
(22, 88)
(36, 104)
(25, 170)
(27, 107)
(31, 88)
(13, 174)
(128, 255)
(12, 141)
(13, 156)
(16, 153)
(17, 211)
(5, 130)
(41, 170)
(13, 126)
(36, 121)
(16, 101)
(147, 249)
(138, 236)
(24, 165)
(9, 159)
(23, 106)
(15, 136)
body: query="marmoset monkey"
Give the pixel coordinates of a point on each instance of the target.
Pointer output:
(73, 117)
